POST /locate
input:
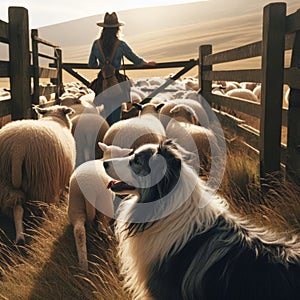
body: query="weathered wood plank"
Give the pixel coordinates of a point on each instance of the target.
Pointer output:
(46, 56)
(248, 133)
(293, 22)
(244, 106)
(289, 41)
(243, 52)
(4, 69)
(165, 65)
(204, 84)
(20, 79)
(47, 73)
(48, 104)
(5, 107)
(253, 75)
(44, 42)
(47, 90)
(292, 77)
(272, 87)
(293, 144)
(4, 35)
(35, 69)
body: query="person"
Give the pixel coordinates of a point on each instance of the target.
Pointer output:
(109, 36)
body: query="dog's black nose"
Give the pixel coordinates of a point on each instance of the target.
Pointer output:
(105, 164)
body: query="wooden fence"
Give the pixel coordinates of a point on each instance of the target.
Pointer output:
(280, 33)
(19, 68)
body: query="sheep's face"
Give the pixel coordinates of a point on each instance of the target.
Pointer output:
(56, 111)
(113, 151)
(148, 108)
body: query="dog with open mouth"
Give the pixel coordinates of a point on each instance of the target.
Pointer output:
(178, 240)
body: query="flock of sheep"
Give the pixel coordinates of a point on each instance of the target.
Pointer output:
(62, 151)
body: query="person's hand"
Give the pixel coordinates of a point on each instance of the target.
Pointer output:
(150, 63)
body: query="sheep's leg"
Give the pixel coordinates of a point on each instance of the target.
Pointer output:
(18, 219)
(80, 241)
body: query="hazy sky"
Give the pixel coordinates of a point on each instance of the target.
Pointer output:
(42, 13)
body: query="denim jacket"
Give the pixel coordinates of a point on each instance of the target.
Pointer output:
(95, 59)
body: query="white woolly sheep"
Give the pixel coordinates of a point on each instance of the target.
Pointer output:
(195, 139)
(134, 132)
(78, 105)
(184, 113)
(191, 82)
(164, 113)
(257, 92)
(248, 85)
(242, 94)
(89, 196)
(286, 95)
(37, 157)
(88, 130)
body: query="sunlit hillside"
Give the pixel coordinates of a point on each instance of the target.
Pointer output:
(170, 33)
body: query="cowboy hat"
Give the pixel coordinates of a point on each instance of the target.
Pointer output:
(110, 20)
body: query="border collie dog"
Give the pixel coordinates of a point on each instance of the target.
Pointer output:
(178, 240)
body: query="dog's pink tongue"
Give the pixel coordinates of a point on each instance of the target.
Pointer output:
(111, 183)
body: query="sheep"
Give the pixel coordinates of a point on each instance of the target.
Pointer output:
(242, 94)
(89, 196)
(286, 95)
(248, 85)
(134, 132)
(184, 113)
(257, 92)
(191, 82)
(37, 158)
(78, 105)
(138, 91)
(164, 113)
(229, 85)
(88, 130)
(193, 138)
(149, 108)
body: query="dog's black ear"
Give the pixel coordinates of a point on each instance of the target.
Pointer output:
(169, 143)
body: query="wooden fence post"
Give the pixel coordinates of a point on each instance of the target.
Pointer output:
(293, 142)
(35, 63)
(204, 85)
(19, 56)
(59, 83)
(272, 87)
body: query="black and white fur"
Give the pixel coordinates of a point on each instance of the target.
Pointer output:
(198, 249)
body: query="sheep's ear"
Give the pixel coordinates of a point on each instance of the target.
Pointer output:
(174, 110)
(195, 120)
(127, 151)
(40, 110)
(102, 146)
(159, 106)
(137, 106)
(67, 110)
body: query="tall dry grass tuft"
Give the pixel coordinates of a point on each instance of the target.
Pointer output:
(275, 204)
(49, 269)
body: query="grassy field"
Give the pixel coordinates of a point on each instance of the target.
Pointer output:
(46, 267)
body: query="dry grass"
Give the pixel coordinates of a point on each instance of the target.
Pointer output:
(46, 268)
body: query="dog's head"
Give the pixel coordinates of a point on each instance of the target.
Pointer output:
(156, 175)
(151, 172)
